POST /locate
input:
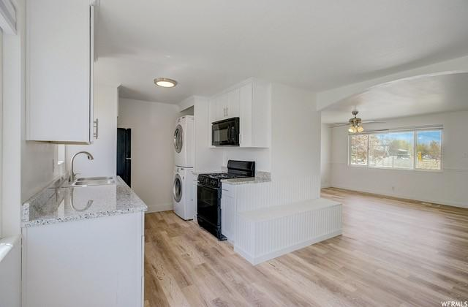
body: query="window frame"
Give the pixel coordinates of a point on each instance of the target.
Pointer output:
(415, 133)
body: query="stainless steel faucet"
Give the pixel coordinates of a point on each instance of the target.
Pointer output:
(73, 175)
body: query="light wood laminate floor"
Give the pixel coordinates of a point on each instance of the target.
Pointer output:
(392, 253)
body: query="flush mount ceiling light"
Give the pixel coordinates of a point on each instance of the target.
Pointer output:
(165, 82)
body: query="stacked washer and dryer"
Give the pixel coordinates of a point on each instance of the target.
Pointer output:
(184, 150)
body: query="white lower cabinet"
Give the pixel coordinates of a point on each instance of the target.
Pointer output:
(194, 194)
(228, 212)
(94, 263)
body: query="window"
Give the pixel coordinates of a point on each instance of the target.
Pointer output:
(391, 150)
(415, 149)
(358, 148)
(429, 149)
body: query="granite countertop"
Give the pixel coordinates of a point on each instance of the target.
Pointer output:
(237, 181)
(59, 203)
(260, 177)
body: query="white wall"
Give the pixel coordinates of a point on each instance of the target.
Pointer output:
(29, 166)
(261, 156)
(295, 146)
(152, 127)
(103, 149)
(325, 156)
(447, 187)
(1, 125)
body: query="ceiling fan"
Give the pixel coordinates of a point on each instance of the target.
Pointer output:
(355, 123)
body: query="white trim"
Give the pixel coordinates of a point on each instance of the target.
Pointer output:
(159, 207)
(7, 17)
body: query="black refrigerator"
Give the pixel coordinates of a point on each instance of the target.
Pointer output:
(124, 154)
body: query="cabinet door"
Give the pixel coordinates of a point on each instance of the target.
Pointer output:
(233, 103)
(213, 111)
(245, 114)
(104, 251)
(222, 102)
(194, 197)
(59, 70)
(228, 217)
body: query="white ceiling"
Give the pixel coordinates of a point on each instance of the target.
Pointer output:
(208, 45)
(406, 97)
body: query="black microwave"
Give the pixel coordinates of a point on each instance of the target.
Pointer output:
(225, 132)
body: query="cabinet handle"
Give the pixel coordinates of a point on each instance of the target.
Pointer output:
(96, 128)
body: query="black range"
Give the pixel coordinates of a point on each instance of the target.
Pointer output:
(209, 194)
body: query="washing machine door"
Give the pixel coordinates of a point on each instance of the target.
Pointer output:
(177, 188)
(178, 138)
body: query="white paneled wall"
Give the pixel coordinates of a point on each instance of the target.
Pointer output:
(277, 192)
(271, 232)
(297, 228)
(277, 217)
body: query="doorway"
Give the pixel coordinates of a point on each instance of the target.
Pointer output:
(124, 154)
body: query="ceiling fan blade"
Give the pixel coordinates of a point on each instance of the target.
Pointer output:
(339, 125)
(372, 122)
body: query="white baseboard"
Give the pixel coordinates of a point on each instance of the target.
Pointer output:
(159, 208)
(397, 195)
(265, 257)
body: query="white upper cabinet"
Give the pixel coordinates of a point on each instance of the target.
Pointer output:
(255, 114)
(250, 101)
(59, 61)
(221, 106)
(233, 105)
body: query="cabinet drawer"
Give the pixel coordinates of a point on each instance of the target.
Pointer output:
(228, 190)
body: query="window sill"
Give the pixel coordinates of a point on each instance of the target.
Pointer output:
(398, 169)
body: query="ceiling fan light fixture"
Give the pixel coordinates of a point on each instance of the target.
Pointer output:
(165, 82)
(355, 124)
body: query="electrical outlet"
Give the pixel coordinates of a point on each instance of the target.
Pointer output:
(393, 189)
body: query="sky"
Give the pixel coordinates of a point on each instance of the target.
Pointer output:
(426, 137)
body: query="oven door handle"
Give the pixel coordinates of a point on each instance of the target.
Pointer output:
(206, 187)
